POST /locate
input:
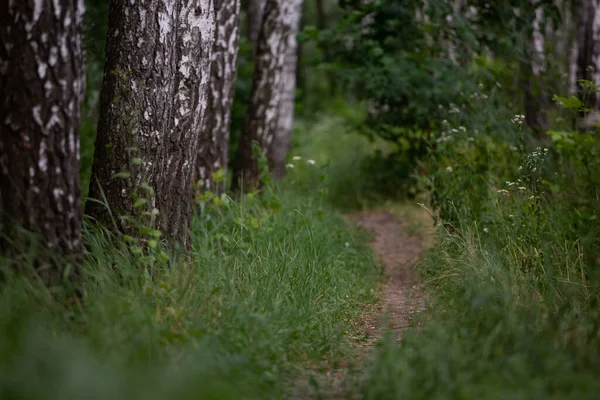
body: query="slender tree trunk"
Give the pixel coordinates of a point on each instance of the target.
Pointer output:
(152, 107)
(457, 9)
(588, 54)
(255, 19)
(214, 141)
(264, 118)
(322, 25)
(536, 102)
(42, 86)
(282, 141)
(572, 41)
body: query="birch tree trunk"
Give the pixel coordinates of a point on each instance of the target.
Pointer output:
(281, 143)
(536, 102)
(151, 112)
(41, 86)
(280, 22)
(214, 141)
(588, 53)
(255, 18)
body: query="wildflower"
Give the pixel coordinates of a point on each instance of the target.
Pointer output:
(347, 244)
(511, 216)
(486, 230)
(462, 129)
(522, 188)
(545, 150)
(534, 169)
(531, 197)
(454, 130)
(503, 191)
(449, 169)
(290, 166)
(297, 158)
(311, 162)
(518, 119)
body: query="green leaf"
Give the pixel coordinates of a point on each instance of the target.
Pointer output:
(140, 202)
(571, 102)
(121, 175)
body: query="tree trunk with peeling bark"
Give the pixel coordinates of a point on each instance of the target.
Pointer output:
(41, 86)
(214, 140)
(151, 111)
(270, 112)
(536, 98)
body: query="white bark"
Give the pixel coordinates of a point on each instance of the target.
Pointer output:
(154, 99)
(214, 141)
(288, 94)
(41, 86)
(262, 122)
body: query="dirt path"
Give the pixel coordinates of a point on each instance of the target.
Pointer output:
(401, 296)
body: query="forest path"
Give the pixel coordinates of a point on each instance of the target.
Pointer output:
(398, 244)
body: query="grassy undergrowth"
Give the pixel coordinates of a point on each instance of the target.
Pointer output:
(513, 277)
(273, 281)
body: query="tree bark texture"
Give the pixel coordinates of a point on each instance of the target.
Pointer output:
(255, 18)
(281, 143)
(214, 141)
(267, 116)
(536, 101)
(41, 86)
(151, 110)
(588, 52)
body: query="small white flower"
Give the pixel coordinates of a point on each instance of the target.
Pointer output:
(290, 166)
(449, 169)
(511, 216)
(486, 230)
(532, 197)
(347, 244)
(297, 158)
(311, 162)
(462, 129)
(522, 188)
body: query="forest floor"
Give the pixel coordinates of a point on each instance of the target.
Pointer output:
(398, 242)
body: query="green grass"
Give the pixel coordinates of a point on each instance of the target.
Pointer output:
(514, 283)
(272, 282)
(491, 334)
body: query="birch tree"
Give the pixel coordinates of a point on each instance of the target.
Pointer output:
(41, 86)
(270, 112)
(255, 13)
(152, 107)
(588, 47)
(214, 140)
(536, 102)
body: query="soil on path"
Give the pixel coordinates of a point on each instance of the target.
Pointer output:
(398, 249)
